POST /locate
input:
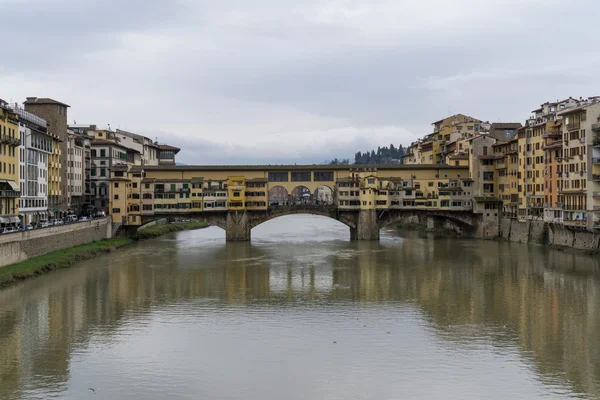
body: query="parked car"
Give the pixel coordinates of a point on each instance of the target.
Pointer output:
(59, 222)
(71, 218)
(83, 219)
(9, 229)
(43, 223)
(28, 227)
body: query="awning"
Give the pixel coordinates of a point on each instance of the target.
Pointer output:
(12, 184)
(13, 220)
(4, 220)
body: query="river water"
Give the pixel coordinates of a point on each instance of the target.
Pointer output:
(303, 313)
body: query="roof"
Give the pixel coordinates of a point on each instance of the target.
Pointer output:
(316, 167)
(467, 118)
(43, 100)
(169, 180)
(459, 157)
(168, 147)
(557, 145)
(109, 142)
(506, 125)
(576, 108)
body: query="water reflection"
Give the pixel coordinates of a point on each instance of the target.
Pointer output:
(505, 303)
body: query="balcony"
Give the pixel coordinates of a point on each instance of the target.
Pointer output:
(596, 160)
(573, 126)
(582, 140)
(596, 127)
(9, 193)
(10, 141)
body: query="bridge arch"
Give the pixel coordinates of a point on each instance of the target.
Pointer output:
(324, 195)
(278, 195)
(212, 219)
(301, 195)
(329, 213)
(463, 222)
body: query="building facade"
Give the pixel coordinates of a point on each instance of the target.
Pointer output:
(34, 158)
(55, 114)
(75, 173)
(9, 166)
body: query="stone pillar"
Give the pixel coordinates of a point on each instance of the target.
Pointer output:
(432, 223)
(238, 227)
(366, 228)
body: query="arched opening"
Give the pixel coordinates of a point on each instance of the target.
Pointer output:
(324, 195)
(301, 227)
(278, 196)
(301, 195)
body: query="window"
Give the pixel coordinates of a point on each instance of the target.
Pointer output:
(116, 185)
(134, 185)
(102, 153)
(300, 176)
(278, 176)
(116, 197)
(371, 181)
(147, 186)
(102, 171)
(324, 176)
(236, 194)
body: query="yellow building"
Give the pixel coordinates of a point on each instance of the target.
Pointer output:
(54, 177)
(531, 145)
(506, 162)
(452, 133)
(9, 166)
(236, 186)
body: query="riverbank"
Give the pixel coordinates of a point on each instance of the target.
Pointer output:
(162, 229)
(58, 259)
(68, 257)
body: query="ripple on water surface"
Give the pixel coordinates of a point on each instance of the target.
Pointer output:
(301, 312)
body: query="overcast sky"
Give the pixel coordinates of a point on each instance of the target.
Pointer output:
(278, 81)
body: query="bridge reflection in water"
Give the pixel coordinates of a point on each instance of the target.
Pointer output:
(542, 303)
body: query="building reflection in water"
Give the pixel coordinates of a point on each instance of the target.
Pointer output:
(545, 302)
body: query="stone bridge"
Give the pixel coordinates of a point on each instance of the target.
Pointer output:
(363, 224)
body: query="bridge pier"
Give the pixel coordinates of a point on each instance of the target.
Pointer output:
(432, 223)
(366, 226)
(237, 227)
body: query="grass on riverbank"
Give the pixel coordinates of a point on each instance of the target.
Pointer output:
(158, 230)
(58, 259)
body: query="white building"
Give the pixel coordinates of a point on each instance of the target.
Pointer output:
(147, 148)
(75, 172)
(36, 145)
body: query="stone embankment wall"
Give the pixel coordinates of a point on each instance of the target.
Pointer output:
(542, 233)
(17, 247)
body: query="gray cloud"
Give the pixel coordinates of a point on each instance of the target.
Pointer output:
(280, 81)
